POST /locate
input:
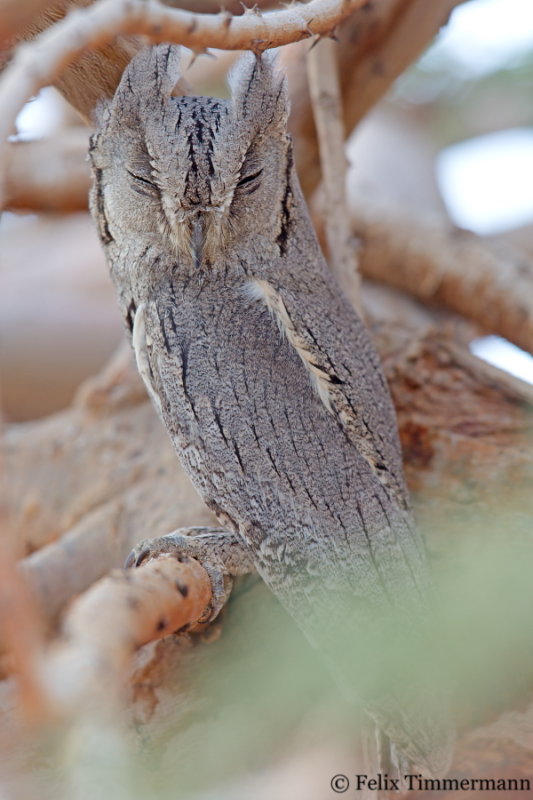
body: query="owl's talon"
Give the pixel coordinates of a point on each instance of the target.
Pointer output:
(143, 552)
(200, 547)
(143, 556)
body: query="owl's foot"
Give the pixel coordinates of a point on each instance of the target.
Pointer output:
(221, 553)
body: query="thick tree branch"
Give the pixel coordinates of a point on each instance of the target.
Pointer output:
(50, 175)
(138, 606)
(104, 536)
(491, 285)
(388, 51)
(76, 511)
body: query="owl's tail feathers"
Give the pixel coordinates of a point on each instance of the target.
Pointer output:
(392, 761)
(382, 760)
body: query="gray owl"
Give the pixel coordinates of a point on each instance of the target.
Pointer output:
(264, 376)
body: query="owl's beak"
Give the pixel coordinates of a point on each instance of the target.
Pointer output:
(194, 234)
(197, 240)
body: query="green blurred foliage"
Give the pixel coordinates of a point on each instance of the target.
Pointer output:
(266, 694)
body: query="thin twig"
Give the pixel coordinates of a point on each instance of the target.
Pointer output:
(376, 44)
(327, 109)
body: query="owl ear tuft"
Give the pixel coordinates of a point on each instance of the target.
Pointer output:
(259, 91)
(151, 75)
(165, 67)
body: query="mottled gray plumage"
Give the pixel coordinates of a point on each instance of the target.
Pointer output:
(264, 376)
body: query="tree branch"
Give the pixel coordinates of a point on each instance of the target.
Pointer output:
(38, 63)
(160, 597)
(363, 38)
(49, 175)
(76, 513)
(376, 45)
(491, 285)
(327, 110)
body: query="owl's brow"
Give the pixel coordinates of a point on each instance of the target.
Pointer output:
(202, 126)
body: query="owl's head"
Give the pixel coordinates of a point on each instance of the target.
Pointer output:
(195, 176)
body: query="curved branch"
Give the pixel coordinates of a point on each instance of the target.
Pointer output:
(38, 63)
(452, 267)
(138, 606)
(375, 46)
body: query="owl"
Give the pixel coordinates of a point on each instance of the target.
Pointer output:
(265, 378)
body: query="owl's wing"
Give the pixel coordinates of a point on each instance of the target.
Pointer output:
(343, 368)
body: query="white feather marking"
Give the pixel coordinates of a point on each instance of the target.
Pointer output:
(140, 343)
(262, 290)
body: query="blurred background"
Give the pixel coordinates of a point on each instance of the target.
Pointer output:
(453, 140)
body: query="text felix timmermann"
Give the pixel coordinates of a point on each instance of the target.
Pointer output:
(416, 782)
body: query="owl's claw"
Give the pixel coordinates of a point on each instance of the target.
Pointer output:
(207, 548)
(137, 556)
